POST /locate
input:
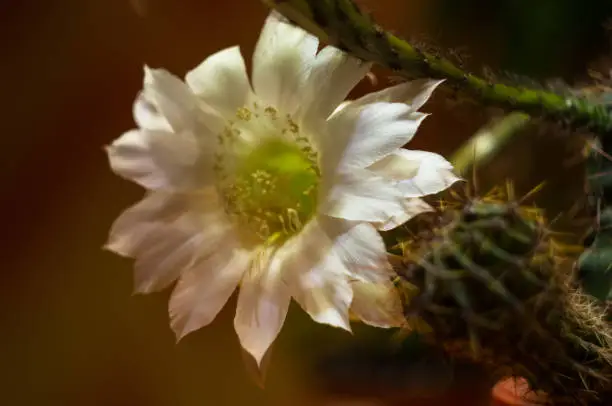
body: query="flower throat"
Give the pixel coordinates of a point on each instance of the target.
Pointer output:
(273, 191)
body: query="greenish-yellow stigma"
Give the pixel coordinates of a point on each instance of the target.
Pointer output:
(271, 192)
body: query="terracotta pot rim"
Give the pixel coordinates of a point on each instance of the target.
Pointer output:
(515, 391)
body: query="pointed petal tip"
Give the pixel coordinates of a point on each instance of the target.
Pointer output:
(147, 73)
(142, 289)
(114, 247)
(178, 338)
(378, 305)
(221, 81)
(180, 328)
(257, 369)
(148, 70)
(333, 318)
(136, 292)
(152, 74)
(274, 13)
(180, 335)
(109, 148)
(258, 359)
(255, 358)
(429, 85)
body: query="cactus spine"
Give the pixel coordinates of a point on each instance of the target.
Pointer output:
(595, 264)
(495, 287)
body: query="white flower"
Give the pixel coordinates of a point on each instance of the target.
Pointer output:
(272, 188)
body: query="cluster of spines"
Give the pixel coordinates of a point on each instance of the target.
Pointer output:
(493, 285)
(450, 246)
(595, 264)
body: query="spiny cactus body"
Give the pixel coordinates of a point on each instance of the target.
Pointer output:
(595, 264)
(491, 283)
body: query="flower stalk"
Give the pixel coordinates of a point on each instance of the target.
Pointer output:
(343, 24)
(488, 142)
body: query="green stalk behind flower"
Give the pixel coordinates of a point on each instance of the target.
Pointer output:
(341, 23)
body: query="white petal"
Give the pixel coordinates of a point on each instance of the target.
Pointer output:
(176, 102)
(203, 290)
(334, 74)
(325, 294)
(156, 159)
(418, 173)
(258, 372)
(221, 81)
(414, 93)
(129, 157)
(377, 304)
(165, 237)
(132, 226)
(147, 115)
(152, 231)
(362, 136)
(172, 98)
(263, 302)
(361, 195)
(282, 61)
(170, 252)
(410, 208)
(315, 272)
(165, 253)
(364, 254)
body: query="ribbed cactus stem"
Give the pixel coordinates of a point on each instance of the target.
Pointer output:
(343, 24)
(595, 264)
(494, 287)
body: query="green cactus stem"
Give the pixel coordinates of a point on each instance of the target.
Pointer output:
(343, 24)
(493, 286)
(595, 264)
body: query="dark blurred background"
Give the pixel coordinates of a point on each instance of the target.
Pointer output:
(72, 333)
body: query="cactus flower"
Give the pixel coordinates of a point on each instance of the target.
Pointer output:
(267, 186)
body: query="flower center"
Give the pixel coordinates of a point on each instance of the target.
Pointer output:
(268, 176)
